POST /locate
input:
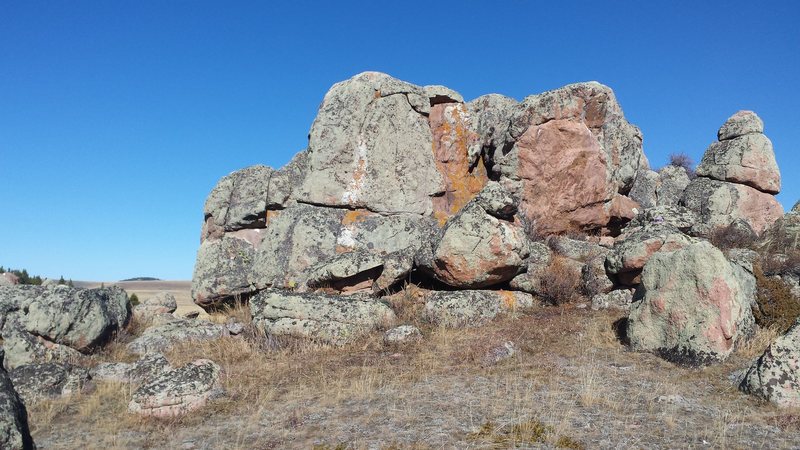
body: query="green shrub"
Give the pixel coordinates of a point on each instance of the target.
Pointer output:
(134, 299)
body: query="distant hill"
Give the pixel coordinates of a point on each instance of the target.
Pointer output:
(142, 279)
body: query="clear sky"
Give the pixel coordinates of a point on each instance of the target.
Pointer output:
(118, 117)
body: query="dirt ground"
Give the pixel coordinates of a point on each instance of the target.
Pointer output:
(572, 384)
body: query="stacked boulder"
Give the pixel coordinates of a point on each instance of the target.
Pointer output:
(775, 376)
(737, 179)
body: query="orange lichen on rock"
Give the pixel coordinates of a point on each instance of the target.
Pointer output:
(451, 139)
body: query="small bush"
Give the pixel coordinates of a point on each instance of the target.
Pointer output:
(777, 307)
(560, 281)
(683, 160)
(134, 299)
(735, 235)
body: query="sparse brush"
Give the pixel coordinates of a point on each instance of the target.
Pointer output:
(777, 306)
(560, 282)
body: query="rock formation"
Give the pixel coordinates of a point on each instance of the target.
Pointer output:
(396, 169)
(737, 179)
(14, 432)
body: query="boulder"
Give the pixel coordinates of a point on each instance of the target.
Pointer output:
(146, 368)
(161, 337)
(575, 249)
(325, 318)
(361, 271)
(784, 235)
(690, 307)
(404, 334)
(740, 124)
(36, 382)
(22, 347)
(775, 376)
(179, 391)
(568, 155)
(673, 215)
(747, 159)
(718, 203)
(243, 198)
(480, 247)
(59, 321)
(618, 299)
(636, 246)
(594, 278)
(438, 94)
(299, 240)
(370, 129)
(14, 431)
(662, 188)
(161, 303)
(456, 309)
(490, 114)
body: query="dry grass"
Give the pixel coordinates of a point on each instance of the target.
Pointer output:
(571, 385)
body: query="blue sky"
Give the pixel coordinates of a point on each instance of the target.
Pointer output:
(117, 118)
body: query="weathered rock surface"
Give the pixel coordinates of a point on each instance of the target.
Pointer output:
(160, 338)
(480, 247)
(464, 175)
(370, 129)
(472, 308)
(490, 120)
(784, 235)
(571, 154)
(35, 382)
(775, 376)
(161, 303)
(690, 307)
(718, 203)
(179, 391)
(662, 188)
(740, 124)
(401, 335)
(676, 216)
(299, 239)
(146, 368)
(637, 245)
(618, 299)
(320, 317)
(57, 321)
(14, 431)
(742, 155)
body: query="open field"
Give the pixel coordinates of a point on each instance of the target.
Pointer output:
(572, 384)
(146, 289)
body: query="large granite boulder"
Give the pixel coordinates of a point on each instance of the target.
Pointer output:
(43, 320)
(490, 114)
(370, 147)
(690, 307)
(147, 367)
(324, 318)
(161, 303)
(775, 376)
(569, 155)
(784, 235)
(14, 431)
(718, 203)
(179, 391)
(743, 155)
(482, 245)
